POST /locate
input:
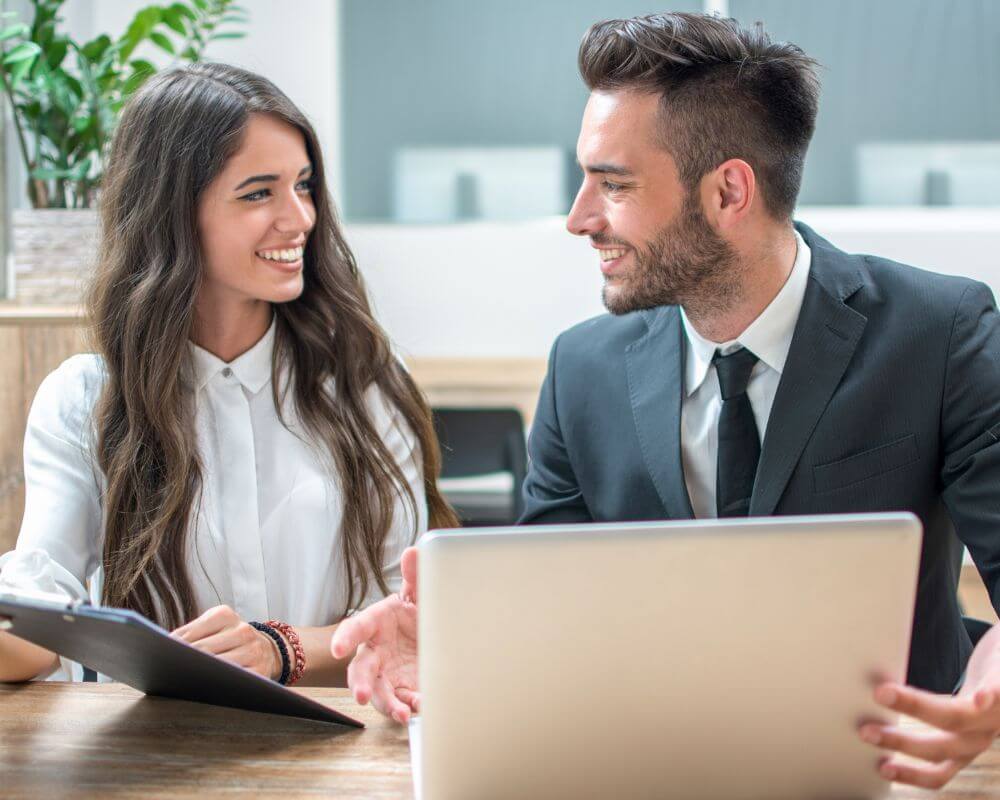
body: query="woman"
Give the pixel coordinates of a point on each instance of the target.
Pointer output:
(243, 445)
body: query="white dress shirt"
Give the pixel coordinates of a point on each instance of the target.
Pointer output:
(267, 533)
(768, 337)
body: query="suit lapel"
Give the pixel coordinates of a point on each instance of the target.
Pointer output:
(655, 368)
(826, 335)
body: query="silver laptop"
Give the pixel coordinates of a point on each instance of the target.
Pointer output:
(704, 659)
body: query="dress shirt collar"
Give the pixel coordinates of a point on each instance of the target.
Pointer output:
(252, 369)
(768, 337)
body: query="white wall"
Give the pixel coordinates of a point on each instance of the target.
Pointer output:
(492, 289)
(507, 289)
(294, 44)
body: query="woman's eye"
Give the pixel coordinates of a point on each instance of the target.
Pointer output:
(252, 197)
(305, 186)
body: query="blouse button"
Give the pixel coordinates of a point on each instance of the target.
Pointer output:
(227, 373)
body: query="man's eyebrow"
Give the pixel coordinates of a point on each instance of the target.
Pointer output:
(269, 178)
(607, 169)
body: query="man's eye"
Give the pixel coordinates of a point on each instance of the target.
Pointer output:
(612, 187)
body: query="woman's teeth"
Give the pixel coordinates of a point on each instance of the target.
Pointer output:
(611, 255)
(286, 256)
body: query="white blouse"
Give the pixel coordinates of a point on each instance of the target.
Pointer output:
(267, 534)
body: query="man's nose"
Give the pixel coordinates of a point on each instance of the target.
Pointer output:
(585, 216)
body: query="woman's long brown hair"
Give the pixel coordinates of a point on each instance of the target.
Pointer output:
(174, 137)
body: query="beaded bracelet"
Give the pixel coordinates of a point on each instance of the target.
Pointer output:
(293, 639)
(264, 627)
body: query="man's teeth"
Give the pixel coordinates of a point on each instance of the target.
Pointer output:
(288, 256)
(611, 255)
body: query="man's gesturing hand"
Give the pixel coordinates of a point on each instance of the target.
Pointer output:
(384, 669)
(965, 725)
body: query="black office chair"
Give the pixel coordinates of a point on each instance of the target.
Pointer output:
(480, 441)
(976, 628)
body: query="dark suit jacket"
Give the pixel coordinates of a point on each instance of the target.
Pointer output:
(889, 401)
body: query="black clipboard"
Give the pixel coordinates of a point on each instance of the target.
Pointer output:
(130, 649)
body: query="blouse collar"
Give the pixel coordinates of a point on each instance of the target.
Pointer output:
(252, 369)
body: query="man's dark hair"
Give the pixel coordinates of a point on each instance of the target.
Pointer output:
(726, 92)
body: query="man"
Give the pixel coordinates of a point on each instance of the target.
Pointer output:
(750, 367)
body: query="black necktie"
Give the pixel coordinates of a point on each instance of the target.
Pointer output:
(739, 443)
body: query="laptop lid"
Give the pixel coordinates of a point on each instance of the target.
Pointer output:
(685, 659)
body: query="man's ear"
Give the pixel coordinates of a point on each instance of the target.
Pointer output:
(728, 192)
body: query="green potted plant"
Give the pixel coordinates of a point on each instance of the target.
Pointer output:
(65, 97)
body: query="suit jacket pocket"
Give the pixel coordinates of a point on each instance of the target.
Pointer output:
(865, 465)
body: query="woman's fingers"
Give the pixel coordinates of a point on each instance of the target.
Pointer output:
(248, 657)
(222, 633)
(223, 641)
(212, 621)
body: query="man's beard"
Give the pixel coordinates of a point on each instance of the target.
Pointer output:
(686, 263)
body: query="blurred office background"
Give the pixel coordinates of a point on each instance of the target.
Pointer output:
(449, 128)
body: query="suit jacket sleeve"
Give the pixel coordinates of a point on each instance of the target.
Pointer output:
(551, 491)
(970, 427)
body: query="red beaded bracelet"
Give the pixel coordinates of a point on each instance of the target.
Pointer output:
(289, 633)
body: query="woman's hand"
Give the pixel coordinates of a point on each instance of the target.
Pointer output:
(222, 633)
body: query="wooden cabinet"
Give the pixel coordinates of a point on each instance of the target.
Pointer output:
(33, 342)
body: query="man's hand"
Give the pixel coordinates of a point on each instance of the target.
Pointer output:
(221, 632)
(966, 724)
(384, 670)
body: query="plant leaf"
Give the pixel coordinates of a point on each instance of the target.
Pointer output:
(14, 31)
(79, 171)
(93, 50)
(141, 65)
(56, 52)
(234, 35)
(184, 10)
(19, 70)
(139, 29)
(44, 32)
(23, 52)
(141, 71)
(49, 173)
(174, 20)
(75, 86)
(161, 41)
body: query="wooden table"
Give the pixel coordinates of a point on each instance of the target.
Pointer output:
(106, 740)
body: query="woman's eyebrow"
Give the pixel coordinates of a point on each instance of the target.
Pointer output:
(269, 178)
